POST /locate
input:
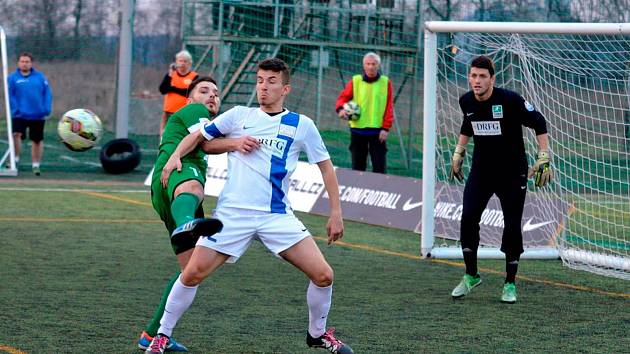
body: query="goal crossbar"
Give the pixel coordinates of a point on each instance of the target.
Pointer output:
(528, 27)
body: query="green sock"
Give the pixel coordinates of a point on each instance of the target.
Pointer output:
(183, 208)
(154, 325)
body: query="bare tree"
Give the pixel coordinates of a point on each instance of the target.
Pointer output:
(443, 10)
(559, 10)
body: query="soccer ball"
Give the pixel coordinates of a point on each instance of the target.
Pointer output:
(80, 129)
(353, 109)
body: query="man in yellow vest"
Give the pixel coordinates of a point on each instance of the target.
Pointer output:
(175, 86)
(373, 93)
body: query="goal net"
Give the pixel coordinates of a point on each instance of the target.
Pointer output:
(578, 77)
(7, 159)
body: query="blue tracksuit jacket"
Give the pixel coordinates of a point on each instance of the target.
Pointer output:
(30, 96)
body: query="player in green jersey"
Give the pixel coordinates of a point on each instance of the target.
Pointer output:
(179, 203)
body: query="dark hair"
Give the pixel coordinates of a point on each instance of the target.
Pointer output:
(196, 82)
(483, 62)
(25, 54)
(276, 65)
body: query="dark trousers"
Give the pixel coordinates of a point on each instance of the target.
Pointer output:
(360, 145)
(509, 189)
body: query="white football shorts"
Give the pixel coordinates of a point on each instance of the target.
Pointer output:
(277, 232)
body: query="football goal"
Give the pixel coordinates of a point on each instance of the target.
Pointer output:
(7, 159)
(578, 76)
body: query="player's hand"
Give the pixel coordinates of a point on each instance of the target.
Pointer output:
(173, 163)
(343, 114)
(246, 144)
(457, 162)
(541, 171)
(334, 227)
(382, 136)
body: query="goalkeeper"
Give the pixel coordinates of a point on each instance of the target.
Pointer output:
(494, 117)
(179, 204)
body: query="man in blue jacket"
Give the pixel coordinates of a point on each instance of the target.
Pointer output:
(30, 98)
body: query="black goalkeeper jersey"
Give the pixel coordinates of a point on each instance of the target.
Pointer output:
(496, 127)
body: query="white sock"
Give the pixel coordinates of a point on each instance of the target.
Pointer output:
(179, 300)
(17, 159)
(35, 164)
(318, 300)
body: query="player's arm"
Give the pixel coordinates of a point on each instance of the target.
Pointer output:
(13, 102)
(188, 144)
(47, 94)
(541, 171)
(334, 226)
(465, 132)
(458, 158)
(344, 96)
(223, 124)
(388, 115)
(244, 144)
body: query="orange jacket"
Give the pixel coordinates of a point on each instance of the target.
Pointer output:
(175, 88)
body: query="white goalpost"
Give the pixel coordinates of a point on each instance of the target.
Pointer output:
(578, 76)
(7, 159)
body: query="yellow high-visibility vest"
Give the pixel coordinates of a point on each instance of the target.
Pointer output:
(372, 100)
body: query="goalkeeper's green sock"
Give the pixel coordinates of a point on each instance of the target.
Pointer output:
(183, 208)
(154, 324)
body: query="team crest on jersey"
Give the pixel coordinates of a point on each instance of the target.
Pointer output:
(202, 123)
(287, 130)
(486, 128)
(497, 111)
(529, 106)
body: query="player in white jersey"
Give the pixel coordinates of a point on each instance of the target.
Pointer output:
(254, 205)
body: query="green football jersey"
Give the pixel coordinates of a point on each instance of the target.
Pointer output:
(188, 119)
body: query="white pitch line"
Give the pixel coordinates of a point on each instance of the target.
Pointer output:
(35, 189)
(55, 147)
(72, 159)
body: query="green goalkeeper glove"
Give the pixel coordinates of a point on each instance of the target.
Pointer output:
(457, 162)
(541, 171)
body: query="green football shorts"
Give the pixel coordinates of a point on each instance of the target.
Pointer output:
(161, 198)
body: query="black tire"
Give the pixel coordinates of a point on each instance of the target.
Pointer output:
(120, 156)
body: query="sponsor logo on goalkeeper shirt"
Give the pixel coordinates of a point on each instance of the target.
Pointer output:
(486, 128)
(497, 111)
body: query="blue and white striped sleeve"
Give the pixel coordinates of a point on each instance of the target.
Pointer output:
(221, 126)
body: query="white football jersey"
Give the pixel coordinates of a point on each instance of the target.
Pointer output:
(259, 180)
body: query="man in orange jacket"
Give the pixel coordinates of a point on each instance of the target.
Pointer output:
(175, 85)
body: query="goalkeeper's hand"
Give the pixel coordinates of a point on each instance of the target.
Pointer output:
(457, 162)
(541, 171)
